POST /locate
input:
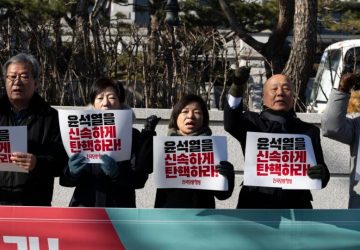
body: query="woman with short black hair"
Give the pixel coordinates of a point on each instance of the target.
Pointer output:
(111, 183)
(190, 117)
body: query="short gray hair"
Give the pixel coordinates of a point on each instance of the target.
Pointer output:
(27, 59)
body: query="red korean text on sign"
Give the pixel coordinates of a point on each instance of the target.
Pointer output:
(189, 158)
(5, 151)
(281, 157)
(98, 135)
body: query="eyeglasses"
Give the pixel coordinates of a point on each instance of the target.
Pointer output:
(22, 77)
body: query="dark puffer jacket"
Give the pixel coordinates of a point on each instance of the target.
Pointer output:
(44, 141)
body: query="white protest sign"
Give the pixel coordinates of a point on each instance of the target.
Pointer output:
(93, 133)
(279, 160)
(189, 162)
(12, 139)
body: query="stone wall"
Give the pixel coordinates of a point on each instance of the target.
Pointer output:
(335, 195)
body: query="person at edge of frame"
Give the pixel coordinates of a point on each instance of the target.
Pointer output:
(45, 157)
(337, 125)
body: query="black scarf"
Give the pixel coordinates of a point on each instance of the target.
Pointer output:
(201, 132)
(285, 119)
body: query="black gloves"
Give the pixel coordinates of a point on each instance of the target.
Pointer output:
(144, 156)
(226, 169)
(349, 81)
(240, 78)
(241, 75)
(151, 122)
(319, 172)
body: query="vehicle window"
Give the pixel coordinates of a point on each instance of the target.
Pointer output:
(332, 59)
(352, 60)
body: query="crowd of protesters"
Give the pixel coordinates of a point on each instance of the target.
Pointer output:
(112, 183)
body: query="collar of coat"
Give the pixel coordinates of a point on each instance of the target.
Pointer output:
(36, 105)
(278, 116)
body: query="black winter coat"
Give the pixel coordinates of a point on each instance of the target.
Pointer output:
(188, 198)
(44, 141)
(238, 123)
(94, 189)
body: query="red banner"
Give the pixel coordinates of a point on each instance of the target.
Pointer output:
(37, 228)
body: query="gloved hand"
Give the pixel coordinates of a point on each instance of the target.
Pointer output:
(240, 78)
(109, 166)
(348, 81)
(319, 172)
(151, 122)
(226, 169)
(77, 164)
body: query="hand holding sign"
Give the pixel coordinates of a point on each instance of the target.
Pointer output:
(226, 169)
(13, 148)
(25, 161)
(319, 172)
(77, 164)
(109, 166)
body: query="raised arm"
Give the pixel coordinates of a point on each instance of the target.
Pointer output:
(234, 122)
(334, 122)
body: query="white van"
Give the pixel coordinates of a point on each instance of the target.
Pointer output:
(338, 58)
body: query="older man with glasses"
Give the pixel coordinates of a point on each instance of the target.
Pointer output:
(45, 157)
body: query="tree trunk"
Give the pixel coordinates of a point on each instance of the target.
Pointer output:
(301, 59)
(82, 48)
(153, 45)
(272, 51)
(299, 64)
